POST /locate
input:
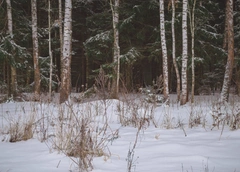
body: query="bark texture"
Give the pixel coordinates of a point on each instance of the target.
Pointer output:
(174, 52)
(116, 48)
(192, 27)
(60, 22)
(37, 78)
(230, 45)
(50, 47)
(164, 51)
(184, 53)
(65, 89)
(13, 88)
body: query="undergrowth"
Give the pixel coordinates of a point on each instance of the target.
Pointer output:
(82, 131)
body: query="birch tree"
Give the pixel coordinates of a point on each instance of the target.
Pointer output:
(60, 27)
(65, 88)
(230, 47)
(116, 48)
(37, 78)
(13, 88)
(174, 51)
(192, 28)
(164, 51)
(184, 95)
(50, 47)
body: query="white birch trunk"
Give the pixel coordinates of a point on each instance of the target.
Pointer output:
(60, 21)
(116, 48)
(192, 27)
(174, 52)
(184, 53)
(164, 51)
(37, 79)
(13, 87)
(230, 60)
(50, 48)
(65, 89)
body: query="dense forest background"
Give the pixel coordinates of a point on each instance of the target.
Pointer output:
(139, 40)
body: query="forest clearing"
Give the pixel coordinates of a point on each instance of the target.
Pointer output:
(119, 85)
(130, 134)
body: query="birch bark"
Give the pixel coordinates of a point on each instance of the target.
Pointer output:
(13, 89)
(164, 51)
(50, 48)
(37, 78)
(65, 89)
(60, 22)
(192, 27)
(184, 53)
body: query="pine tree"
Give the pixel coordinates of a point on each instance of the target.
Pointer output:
(237, 42)
(230, 60)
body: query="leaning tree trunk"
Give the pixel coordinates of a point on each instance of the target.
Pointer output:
(116, 48)
(13, 88)
(230, 60)
(174, 52)
(184, 53)
(65, 88)
(164, 52)
(37, 78)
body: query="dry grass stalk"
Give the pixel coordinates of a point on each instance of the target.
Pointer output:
(21, 128)
(80, 136)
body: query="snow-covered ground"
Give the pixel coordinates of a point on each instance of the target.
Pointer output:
(165, 142)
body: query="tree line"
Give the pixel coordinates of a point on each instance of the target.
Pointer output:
(57, 45)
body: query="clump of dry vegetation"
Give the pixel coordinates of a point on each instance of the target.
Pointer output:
(20, 126)
(226, 114)
(136, 113)
(82, 131)
(82, 134)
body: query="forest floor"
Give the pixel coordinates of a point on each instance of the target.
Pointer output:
(129, 134)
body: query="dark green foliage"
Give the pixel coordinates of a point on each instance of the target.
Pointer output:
(141, 57)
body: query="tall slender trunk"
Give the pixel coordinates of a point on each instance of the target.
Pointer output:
(164, 51)
(87, 71)
(192, 27)
(184, 53)
(237, 78)
(225, 38)
(174, 52)
(37, 78)
(60, 21)
(4, 72)
(50, 48)
(230, 60)
(13, 88)
(65, 89)
(116, 48)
